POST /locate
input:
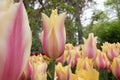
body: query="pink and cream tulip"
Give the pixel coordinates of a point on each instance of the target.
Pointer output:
(101, 61)
(90, 48)
(73, 57)
(84, 63)
(15, 39)
(39, 68)
(62, 59)
(116, 67)
(28, 71)
(53, 36)
(111, 50)
(63, 73)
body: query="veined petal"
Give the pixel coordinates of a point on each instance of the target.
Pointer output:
(18, 42)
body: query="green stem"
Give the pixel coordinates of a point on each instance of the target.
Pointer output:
(53, 69)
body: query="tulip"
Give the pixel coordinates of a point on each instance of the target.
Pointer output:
(28, 71)
(76, 77)
(118, 47)
(85, 71)
(111, 50)
(90, 46)
(62, 59)
(101, 60)
(73, 57)
(68, 46)
(15, 39)
(53, 36)
(116, 67)
(84, 63)
(39, 68)
(63, 73)
(90, 74)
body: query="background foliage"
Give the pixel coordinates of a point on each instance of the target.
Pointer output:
(101, 25)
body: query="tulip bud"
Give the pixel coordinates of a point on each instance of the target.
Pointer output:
(15, 39)
(63, 73)
(101, 61)
(53, 36)
(90, 46)
(116, 67)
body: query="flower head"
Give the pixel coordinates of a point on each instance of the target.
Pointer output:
(53, 36)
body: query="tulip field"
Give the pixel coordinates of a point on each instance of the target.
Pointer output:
(59, 60)
(77, 63)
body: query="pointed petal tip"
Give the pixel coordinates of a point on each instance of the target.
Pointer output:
(63, 14)
(44, 16)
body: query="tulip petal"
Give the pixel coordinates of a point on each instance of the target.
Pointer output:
(18, 45)
(60, 31)
(90, 46)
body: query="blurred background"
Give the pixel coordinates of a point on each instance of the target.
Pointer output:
(101, 17)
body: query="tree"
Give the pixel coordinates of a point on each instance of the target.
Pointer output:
(114, 4)
(108, 31)
(73, 23)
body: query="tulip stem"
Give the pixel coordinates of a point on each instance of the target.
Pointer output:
(53, 69)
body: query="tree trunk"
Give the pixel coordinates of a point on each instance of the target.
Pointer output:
(78, 22)
(118, 9)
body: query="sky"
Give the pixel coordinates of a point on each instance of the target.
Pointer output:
(86, 19)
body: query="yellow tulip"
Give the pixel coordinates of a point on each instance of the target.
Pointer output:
(53, 36)
(85, 71)
(63, 73)
(116, 67)
(76, 77)
(84, 63)
(90, 74)
(68, 46)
